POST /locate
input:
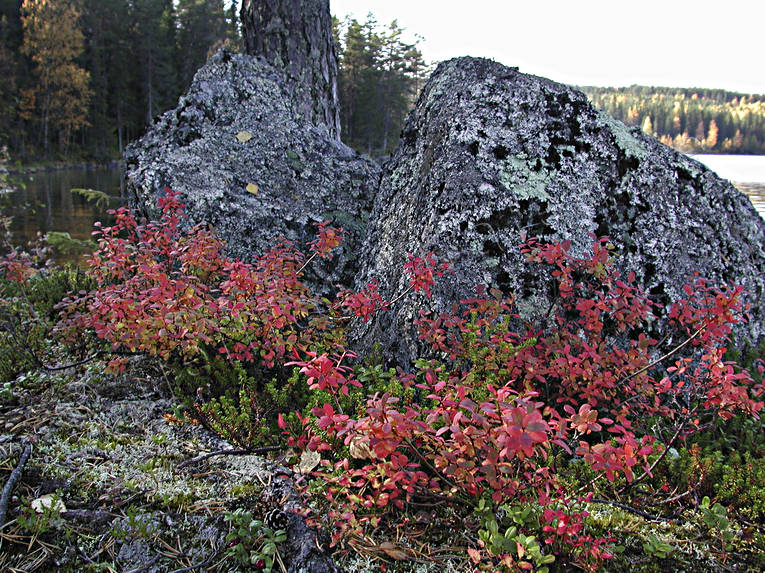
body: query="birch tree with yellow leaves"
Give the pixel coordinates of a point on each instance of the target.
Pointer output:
(53, 41)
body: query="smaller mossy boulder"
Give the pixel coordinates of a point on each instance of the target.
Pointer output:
(490, 155)
(247, 163)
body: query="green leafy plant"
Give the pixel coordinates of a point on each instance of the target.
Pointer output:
(135, 525)
(95, 196)
(30, 290)
(501, 534)
(715, 517)
(252, 543)
(655, 547)
(40, 519)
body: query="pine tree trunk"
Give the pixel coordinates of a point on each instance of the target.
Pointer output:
(296, 36)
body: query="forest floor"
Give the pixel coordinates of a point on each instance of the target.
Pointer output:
(114, 484)
(105, 488)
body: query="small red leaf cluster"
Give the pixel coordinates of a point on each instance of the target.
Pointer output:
(17, 266)
(422, 272)
(168, 291)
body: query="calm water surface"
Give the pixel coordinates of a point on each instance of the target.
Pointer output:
(746, 172)
(44, 202)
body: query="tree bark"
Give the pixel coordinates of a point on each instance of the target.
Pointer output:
(296, 36)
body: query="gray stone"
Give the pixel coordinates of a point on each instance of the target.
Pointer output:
(278, 178)
(489, 153)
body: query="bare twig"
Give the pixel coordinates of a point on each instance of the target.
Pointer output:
(673, 498)
(425, 461)
(675, 350)
(400, 296)
(198, 565)
(90, 358)
(305, 264)
(230, 452)
(11, 483)
(661, 457)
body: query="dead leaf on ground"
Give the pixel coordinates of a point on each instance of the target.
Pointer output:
(392, 551)
(244, 136)
(308, 461)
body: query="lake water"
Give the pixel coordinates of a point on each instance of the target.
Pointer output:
(746, 172)
(44, 201)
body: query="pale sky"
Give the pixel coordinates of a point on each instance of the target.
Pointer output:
(676, 43)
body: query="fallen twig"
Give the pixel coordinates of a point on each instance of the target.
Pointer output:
(198, 565)
(631, 510)
(11, 483)
(230, 452)
(147, 565)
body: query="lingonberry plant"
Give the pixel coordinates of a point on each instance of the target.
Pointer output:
(487, 423)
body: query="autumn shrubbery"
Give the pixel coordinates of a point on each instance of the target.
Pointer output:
(511, 430)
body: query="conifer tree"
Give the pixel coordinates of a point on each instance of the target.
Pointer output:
(106, 24)
(380, 75)
(154, 44)
(201, 28)
(8, 87)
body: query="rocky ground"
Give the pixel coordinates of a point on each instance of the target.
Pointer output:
(112, 483)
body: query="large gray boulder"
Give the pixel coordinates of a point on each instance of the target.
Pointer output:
(248, 163)
(489, 153)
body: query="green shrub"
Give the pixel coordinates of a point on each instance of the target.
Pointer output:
(28, 313)
(742, 486)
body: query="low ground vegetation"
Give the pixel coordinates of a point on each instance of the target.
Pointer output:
(578, 441)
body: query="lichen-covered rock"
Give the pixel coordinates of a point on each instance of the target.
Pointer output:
(247, 163)
(489, 153)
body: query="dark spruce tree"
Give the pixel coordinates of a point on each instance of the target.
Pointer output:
(201, 30)
(380, 76)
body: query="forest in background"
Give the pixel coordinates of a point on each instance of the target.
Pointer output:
(690, 120)
(83, 78)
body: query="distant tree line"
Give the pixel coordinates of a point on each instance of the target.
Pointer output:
(82, 78)
(690, 120)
